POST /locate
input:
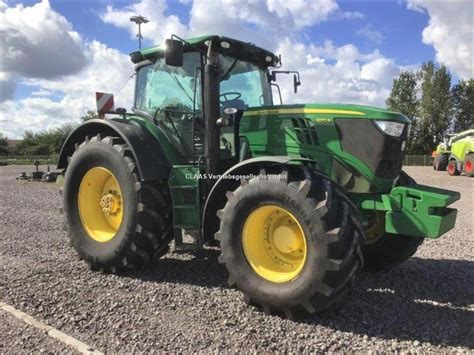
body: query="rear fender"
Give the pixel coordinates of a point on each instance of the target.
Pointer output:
(147, 152)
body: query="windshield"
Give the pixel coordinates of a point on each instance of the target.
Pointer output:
(243, 84)
(163, 87)
(167, 93)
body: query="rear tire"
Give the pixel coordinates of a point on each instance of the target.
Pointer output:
(391, 250)
(468, 165)
(144, 229)
(453, 168)
(440, 162)
(331, 229)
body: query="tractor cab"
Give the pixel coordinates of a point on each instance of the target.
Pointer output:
(185, 84)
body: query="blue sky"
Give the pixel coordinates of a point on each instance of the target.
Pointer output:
(347, 51)
(400, 27)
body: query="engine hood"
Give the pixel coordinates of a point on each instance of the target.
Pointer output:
(328, 111)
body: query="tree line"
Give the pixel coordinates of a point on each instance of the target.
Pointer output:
(435, 107)
(47, 142)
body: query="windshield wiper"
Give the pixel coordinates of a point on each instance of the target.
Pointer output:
(180, 86)
(230, 69)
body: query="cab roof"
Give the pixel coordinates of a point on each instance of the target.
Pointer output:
(236, 48)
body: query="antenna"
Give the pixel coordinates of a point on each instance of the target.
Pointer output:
(139, 20)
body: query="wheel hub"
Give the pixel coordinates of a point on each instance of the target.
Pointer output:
(468, 166)
(110, 203)
(100, 204)
(274, 243)
(285, 238)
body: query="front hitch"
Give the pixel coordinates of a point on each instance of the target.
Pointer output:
(415, 210)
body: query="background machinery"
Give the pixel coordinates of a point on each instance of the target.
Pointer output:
(456, 154)
(461, 157)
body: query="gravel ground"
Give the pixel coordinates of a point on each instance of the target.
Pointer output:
(182, 303)
(19, 337)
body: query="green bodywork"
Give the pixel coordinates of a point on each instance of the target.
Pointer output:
(184, 187)
(419, 210)
(462, 144)
(271, 131)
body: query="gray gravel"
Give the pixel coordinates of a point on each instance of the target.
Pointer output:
(18, 337)
(182, 303)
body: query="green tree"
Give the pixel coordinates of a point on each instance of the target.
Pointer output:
(435, 106)
(47, 142)
(3, 145)
(89, 116)
(403, 98)
(463, 105)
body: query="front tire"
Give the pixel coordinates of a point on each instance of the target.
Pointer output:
(440, 162)
(290, 241)
(115, 222)
(453, 168)
(391, 250)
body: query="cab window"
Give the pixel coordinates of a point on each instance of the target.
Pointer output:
(169, 94)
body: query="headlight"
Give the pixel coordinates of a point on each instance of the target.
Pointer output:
(391, 128)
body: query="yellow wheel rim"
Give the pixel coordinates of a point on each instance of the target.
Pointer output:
(274, 243)
(100, 204)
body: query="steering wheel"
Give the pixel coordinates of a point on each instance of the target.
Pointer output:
(225, 95)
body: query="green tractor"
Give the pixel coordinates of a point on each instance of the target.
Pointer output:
(298, 197)
(461, 154)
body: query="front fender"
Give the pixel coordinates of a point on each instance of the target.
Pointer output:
(147, 152)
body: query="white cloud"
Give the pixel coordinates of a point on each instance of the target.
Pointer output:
(38, 42)
(371, 34)
(337, 74)
(451, 32)
(236, 18)
(302, 13)
(157, 30)
(7, 86)
(329, 73)
(108, 70)
(352, 15)
(55, 99)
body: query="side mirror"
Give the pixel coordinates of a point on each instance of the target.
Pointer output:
(296, 83)
(174, 53)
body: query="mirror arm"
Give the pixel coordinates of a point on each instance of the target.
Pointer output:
(271, 75)
(203, 52)
(279, 91)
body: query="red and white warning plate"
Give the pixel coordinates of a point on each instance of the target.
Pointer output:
(105, 102)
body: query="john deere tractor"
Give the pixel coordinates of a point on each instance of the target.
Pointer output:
(298, 197)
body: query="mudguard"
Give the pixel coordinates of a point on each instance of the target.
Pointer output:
(147, 151)
(216, 197)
